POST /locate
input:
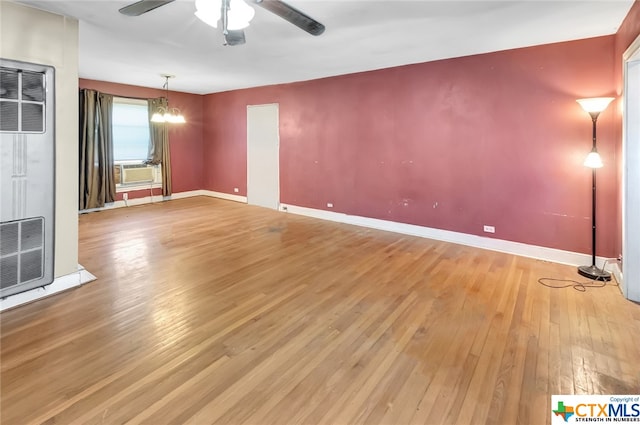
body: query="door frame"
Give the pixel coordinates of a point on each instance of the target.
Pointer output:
(630, 285)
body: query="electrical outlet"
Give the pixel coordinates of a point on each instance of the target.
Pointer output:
(329, 205)
(125, 196)
(236, 190)
(489, 229)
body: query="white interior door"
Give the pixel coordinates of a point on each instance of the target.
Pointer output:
(631, 174)
(263, 164)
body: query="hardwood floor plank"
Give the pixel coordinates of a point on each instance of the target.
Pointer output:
(287, 383)
(210, 311)
(362, 402)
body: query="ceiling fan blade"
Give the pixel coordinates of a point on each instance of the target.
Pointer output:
(293, 15)
(143, 6)
(234, 37)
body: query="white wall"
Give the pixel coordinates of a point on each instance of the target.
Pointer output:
(32, 35)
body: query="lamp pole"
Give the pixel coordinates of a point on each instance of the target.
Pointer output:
(594, 118)
(594, 106)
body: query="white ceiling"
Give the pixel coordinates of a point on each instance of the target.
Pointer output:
(360, 35)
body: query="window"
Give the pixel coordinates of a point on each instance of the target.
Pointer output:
(130, 126)
(130, 130)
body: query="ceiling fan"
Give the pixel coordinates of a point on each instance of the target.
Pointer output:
(232, 32)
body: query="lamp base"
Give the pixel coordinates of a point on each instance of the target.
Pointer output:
(592, 272)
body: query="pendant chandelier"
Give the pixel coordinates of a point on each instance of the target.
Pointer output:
(165, 114)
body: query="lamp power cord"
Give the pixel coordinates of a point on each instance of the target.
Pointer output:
(578, 286)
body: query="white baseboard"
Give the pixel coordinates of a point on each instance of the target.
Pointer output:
(615, 270)
(59, 284)
(187, 194)
(160, 198)
(228, 196)
(128, 203)
(516, 248)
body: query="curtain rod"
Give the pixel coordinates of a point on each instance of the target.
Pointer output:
(124, 97)
(133, 97)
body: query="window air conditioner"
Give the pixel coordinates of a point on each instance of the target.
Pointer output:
(137, 174)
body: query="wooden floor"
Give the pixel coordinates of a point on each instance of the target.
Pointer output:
(210, 311)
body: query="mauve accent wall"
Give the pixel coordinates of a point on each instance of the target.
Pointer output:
(225, 142)
(494, 139)
(185, 140)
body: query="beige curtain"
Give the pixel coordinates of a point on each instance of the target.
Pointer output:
(97, 183)
(159, 152)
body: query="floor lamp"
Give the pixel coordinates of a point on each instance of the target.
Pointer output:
(594, 106)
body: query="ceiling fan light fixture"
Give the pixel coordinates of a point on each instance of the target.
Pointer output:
(239, 14)
(208, 12)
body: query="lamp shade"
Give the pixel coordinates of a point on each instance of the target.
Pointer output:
(157, 117)
(172, 116)
(593, 160)
(595, 104)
